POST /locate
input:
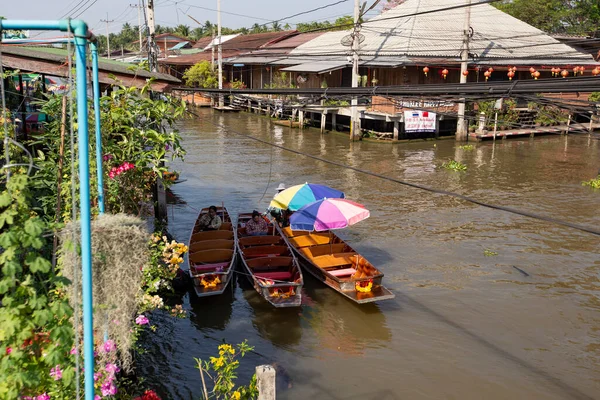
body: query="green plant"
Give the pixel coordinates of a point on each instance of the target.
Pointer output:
(489, 253)
(35, 328)
(594, 96)
(454, 165)
(594, 183)
(235, 84)
(222, 371)
(201, 75)
(281, 80)
(466, 147)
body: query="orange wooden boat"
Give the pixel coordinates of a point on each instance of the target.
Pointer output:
(212, 256)
(270, 265)
(332, 261)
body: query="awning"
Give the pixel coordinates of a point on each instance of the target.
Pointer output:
(317, 67)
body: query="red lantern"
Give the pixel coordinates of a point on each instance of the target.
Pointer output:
(536, 74)
(426, 70)
(575, 71)
(514, 69)
(596, 71)
(510, 75)
(466, 73)
(531, 70)
(490, 69)
(553, 71)
(444, 73)
(581, 70)
(487, 74)
(564, 73)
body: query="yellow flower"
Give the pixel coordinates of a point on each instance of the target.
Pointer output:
(236, 395)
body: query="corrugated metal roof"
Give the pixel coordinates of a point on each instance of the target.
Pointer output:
(317, 67)
(440, 34)
(179, 45)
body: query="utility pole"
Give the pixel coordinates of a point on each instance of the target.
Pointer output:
(107, 34)
(139, 8)
(152, 50)
(220, 51)
(461, 128)
(354, 120)
(212, 49)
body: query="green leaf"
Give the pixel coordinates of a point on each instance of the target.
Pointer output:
(5, 199)
(37, 263)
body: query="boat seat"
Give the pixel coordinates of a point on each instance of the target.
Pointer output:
(259, 240)
(199, 269)
(310, 240)
(211, 235)
(211, 256)
(334, 260)
(276, 275)
(264, 251)
(211, 245)
(323, 249)
(342, 272)
(290, 233)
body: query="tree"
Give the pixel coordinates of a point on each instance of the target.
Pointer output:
(276, 26)
(182, 30)
(201, 75)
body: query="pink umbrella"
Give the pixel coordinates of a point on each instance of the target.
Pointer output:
(327, 214)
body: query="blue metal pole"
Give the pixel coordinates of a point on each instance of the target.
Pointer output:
(85, 215)
(96, 84)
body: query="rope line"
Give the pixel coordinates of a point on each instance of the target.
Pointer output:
(528, 214)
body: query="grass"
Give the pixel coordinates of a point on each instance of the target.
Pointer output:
(454, 165)
(466, 147)
(489, 253)
(595, 183)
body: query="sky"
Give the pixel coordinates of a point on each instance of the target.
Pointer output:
(173, 12)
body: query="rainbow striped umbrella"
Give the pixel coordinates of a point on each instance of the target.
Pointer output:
(296, 197)
(327, 214)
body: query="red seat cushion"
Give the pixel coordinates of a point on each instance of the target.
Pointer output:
(208, 267)
(342, 272)
(276, 276)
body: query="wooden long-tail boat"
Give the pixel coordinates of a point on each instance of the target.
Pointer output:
(212, 255)
(332, 261)
(270, 265)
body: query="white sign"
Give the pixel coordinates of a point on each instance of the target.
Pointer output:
(419, 121)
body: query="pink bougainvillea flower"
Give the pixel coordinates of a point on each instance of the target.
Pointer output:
(109, 346)
(73, 351)
(97, 397)
(97, 376)
(108, 389)
(43, 396)
(112, 368)
(141, 320)
(56, 373)
(111, 175)
(8, 350)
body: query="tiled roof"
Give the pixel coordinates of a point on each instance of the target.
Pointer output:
(440, 34)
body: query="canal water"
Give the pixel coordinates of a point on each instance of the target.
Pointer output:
(465, 324)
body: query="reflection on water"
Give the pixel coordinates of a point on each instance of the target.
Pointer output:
(463, 325)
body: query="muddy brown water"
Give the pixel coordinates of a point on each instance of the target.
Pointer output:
(463, 325)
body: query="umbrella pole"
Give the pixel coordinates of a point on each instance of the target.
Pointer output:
(330, 242)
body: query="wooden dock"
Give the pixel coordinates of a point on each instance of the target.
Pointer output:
(537, 131)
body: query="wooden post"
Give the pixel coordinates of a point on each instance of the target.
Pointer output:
(396, 129)
(268, 111)
(495, 124)
(249, 106)
(437, 127)
(591, 127)
(193, 99)
(259, 107)
(301, 118)
(568, 124)
(323, 121)
(265, 382)
(334, 122)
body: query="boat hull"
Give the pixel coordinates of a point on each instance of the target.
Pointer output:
(267, 253)
(212, 256)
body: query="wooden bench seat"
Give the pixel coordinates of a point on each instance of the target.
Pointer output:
(259, 240)
(204, 268)
(211, 256)
(334, 260)
(323, 249)
(211, 235)
(310, 240)
(264, 251)
(211, 245)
